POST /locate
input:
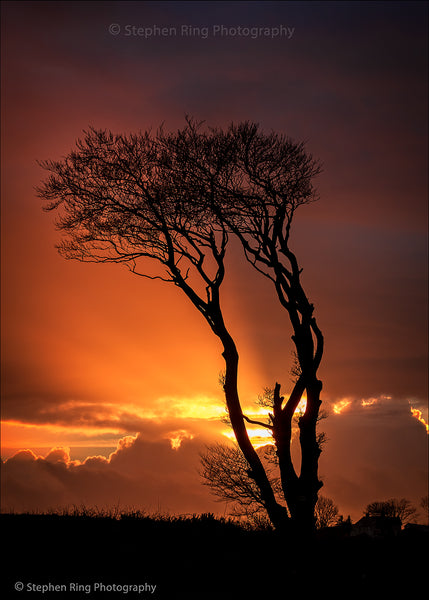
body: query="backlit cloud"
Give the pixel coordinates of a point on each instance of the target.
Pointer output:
(368, 401)
(417, 414)
(152, 473)
(358, 468)
(77, 420)
(139, 474)
(341, 406)
(176, 438)
(118, 417)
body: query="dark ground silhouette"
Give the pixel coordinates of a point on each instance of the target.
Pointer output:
(198, 558)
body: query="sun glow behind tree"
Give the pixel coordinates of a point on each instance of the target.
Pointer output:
(260, 436)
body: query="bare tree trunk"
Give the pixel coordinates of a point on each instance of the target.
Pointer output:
(277, 513)
(212, 312)
(300, 492)
(310, 452)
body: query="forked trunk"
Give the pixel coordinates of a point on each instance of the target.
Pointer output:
(301, 491)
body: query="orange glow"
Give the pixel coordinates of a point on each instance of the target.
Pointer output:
(126, 442)
(340, 406)
(176, 438)
(302, 405)
(18, 435)
(368, 401)
(258, 436)
(76, 423)
(200, 407)
(417, 414)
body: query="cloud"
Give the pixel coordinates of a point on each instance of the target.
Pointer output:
(58, 455)
(139, 474)
(341, 405)
(24, 456)
(71, 422)
(376, 449)
(108, 415)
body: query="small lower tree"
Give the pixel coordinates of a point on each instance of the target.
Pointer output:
(393, 508)
(326, 512)
(225, 471)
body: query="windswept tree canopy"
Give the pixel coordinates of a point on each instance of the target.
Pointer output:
(121, 198)
(252, 183)
(175, 197)
(116, 202)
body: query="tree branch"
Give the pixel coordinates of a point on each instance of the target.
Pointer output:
(253, 422)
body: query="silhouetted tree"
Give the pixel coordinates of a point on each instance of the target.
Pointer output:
(326, 512)
(175, 199)
(263, 180)
(392, 508)
(226, 472)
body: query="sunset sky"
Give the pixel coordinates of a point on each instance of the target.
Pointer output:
(109, 381)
